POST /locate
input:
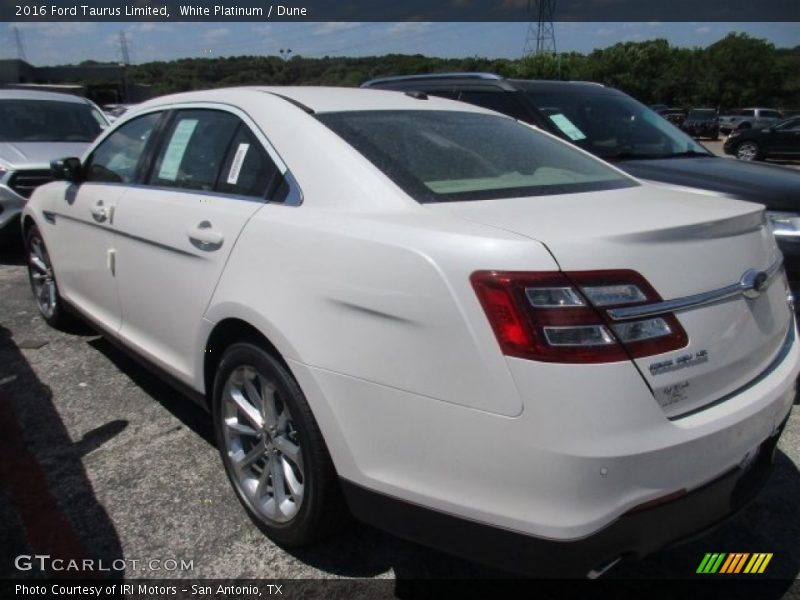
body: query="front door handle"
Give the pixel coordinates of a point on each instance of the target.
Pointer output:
(203, 237)
(99, 212)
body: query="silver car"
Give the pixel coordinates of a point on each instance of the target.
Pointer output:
(35, 128)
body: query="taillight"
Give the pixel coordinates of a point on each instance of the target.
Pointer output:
(563, 317)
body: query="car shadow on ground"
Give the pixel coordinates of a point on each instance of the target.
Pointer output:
(12, 253)
(47, 504)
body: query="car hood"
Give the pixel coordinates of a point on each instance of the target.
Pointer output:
(778, 188)
(37, 155)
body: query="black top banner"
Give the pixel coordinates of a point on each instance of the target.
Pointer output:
(405, 10)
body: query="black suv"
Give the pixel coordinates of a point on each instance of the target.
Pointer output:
(619, 129)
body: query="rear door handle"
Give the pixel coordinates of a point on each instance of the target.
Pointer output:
(203, 237)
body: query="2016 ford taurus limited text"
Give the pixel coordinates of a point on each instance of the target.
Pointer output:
(459, 328)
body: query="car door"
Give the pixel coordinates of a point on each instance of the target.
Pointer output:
(210, 174)
(785, 140)
(83, 231)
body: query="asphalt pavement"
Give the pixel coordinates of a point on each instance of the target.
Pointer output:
(100, 460)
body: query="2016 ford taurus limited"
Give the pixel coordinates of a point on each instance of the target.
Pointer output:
(459, 328)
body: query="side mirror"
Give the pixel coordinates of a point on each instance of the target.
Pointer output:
(67, 169)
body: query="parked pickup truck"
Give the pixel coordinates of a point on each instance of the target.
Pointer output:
(749, 118)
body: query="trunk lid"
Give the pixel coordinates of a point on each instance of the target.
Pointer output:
(683, 244)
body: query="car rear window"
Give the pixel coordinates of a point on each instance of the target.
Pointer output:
(48, 121)
(439, 156)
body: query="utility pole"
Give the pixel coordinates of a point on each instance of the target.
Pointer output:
(541, 37)
(123, 49)
(19, 44)
(126, 60)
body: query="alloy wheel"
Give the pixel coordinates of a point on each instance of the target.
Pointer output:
(262, 445)
(42, 279)
(747, 151)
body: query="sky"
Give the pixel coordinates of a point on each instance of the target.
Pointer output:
(72, 42)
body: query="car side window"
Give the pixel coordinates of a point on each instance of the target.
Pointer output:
(792, 125)
(500, 101)
(247, 170)
(194, 149)
(117, 157)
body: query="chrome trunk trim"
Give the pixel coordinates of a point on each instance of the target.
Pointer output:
(751, 285)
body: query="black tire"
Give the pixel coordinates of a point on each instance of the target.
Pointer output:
(43, 282)
(322, 509)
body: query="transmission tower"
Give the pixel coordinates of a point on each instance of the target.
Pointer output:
(20, 45)
(123, 48)
(541, 38)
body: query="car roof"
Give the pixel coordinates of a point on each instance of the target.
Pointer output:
(17, 94)
(480, 79)
(318, 99)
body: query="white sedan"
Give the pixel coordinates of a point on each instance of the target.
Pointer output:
(456, 327)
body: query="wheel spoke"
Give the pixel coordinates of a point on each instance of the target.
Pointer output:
(44, 293)
(240, 428)
(51, 286)
(37, 249)
(38, 264)
(290, 450)
(262, 484)
(270, 411)
(283, 421)
(248, 459)
(278, 482)
(249, 411)
(295, 486)
(252, 393)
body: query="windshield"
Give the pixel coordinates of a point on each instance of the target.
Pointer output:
(438, 156)
(612, 125)
(48, 121)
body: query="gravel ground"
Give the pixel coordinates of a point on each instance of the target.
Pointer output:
(100, 459)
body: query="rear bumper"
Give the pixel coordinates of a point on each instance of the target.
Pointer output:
(636, 534)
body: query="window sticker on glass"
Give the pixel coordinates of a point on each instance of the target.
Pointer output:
(567, 127)
(176, 149)
(236, 165)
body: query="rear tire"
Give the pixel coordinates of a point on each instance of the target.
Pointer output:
(43, 281)
(273, 450)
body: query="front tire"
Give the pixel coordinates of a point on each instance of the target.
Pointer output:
(43, 281)
(748, 150)
(272, 449)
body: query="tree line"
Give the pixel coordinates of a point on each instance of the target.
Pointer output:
(737, 71)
